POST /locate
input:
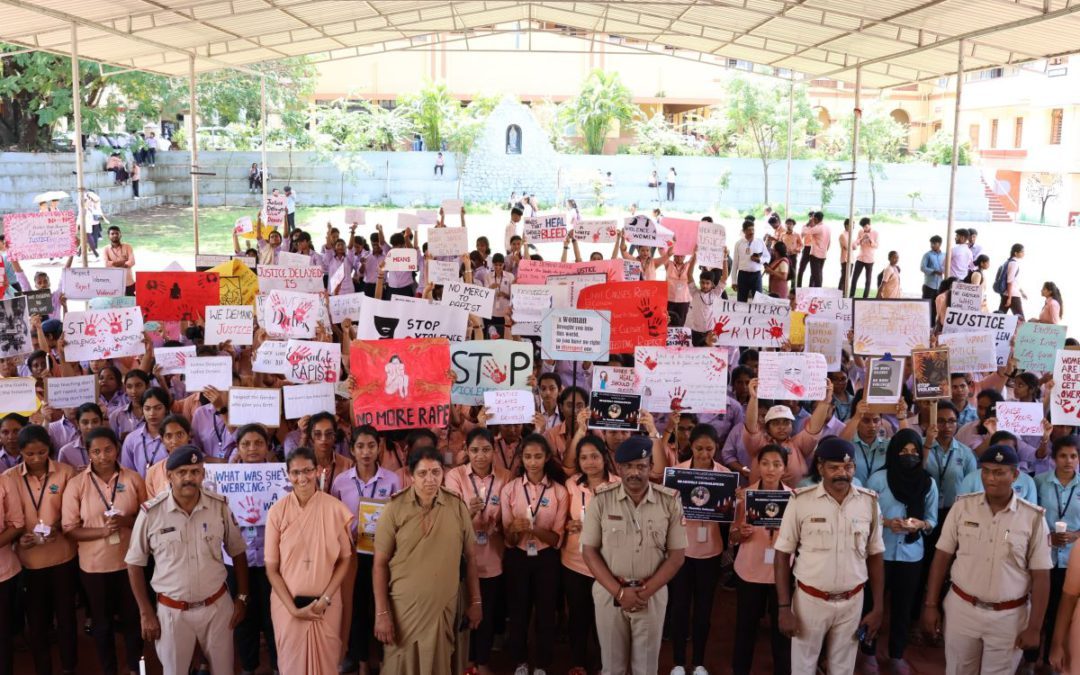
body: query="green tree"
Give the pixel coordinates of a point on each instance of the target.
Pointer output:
(602, 101)
(938, 150)
(359, 125)
(716, 131)
(827, 176)
(881, 140)
(432, 111)
(658, 137)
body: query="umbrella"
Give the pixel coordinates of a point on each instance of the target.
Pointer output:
(51, 195)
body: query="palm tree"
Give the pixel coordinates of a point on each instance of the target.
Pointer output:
(603, 100)
(431, 111)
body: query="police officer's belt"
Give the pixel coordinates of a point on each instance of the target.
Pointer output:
(831, 597)
(992, 606)
(185, 606)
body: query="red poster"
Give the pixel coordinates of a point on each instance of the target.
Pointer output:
(685, 231)
(176, 296)
(401, 384)
(638, 309)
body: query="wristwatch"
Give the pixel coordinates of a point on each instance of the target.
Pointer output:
(242, 598)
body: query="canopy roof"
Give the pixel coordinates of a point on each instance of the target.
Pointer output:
(895, 41)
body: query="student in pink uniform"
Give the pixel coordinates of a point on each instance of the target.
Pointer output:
(779, 423)
(1052, 309)
(866, 241)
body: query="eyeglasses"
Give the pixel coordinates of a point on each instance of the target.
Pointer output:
(949, 422)
(323, 434)
(296, 473)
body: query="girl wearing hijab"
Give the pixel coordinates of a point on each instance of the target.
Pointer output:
(908, 499)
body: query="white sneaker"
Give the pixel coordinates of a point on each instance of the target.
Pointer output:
(700, 670)
(523, 669)
(678, 670)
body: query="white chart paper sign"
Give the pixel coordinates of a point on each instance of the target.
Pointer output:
(791, 376)
(312, 362)
(274, 211)
(967, 297)
(510, 406)
(173, 359)
(741, 324)
(970, 352)
(452, 207)
(826, 338)
(290, 314)
(208, 371)
(407, 221)
(891, 326)
(289, 259)
(381, 320)
(251, 489)
(485, 365)
(575, 335)
(400, 260)
(442, 271)
(711, 240)
(109, 334)
(1022, 419)
(251, 405)
(1003, 327)
(447, 241)
(596, 231)
(226, 323)
(307, 399)
(531, 302)
(355, 217)
(616, 380)
(427, 216)
(40, 234)
(543, 229)
(85, 283)
(270, 358)
(1065, 402)
(346, 307)
(693, 379)
(278, 277)
(576, 282)
(470, 298)
(823, 303)
(70, 392)
(18, 394)
(642, 231)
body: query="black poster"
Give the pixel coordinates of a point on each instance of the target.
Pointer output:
(706, 495)
(39, 302)
(614, 411)
(765, 508)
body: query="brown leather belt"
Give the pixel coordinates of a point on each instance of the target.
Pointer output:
(992, 606)
(831, 597)
(185, 606)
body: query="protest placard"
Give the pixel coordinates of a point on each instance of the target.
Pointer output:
(884, 384)
(823, 303)
(109, 334)
(15, 339)
(631, 270)
(237, 283)
(302, 400)
(470, 298)
(486, 365)
(206, 261)
(610, 410)
(408, 221)
(402, 384)
(640, 230)
(1022, 419)
(679, 336)
(970, 352)
(39, 302)
(290, 314)
(742, 324)
(270, 358)
(542, 229)
(448, 241)
(18, 395)
(509, 406)
(427, 216)
(596, 230)
(576, 282)
(615, 380)
(367, 519)
(791, 376)
(254, 405)
(84, 283)
(112, 302)
(442, 271)
(250, 489)
(312, 362)
(40, 235)
(346, 307)
(826, 337)
(229, 323)
(1036, 345)
(968, 297)
(691, 379)
(706, 495)
(289, 259)
(638, 312)
(355, 217)
(452, 207)
(1065, 402)
(531, 302)
(243, 225)
(538, 271)
(173, 359)
(797, 329)
(765, 508)
(208, 371)
(400, 260)
(70, 392)
(382, 320)
(711, 241)
(891, 326)
(277, 277)
(685, 233)
(275, 208)
(575, 335)
(176, 296)
(930, 369)
(764, 299)
(1002, 325)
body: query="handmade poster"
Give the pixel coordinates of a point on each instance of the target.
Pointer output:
(243, 225)
(38, 302)
(40, 235)
(798, 329)
(229, 323)
(542, 229)
(765, 508)
(679, 336)
(250, 489)
(1065, 401)
(333, 284)
(884, 384)
(509, 406)
(18, 395)
(254, 405)
(823, 303)
(469, 298)
(576, 282)
(400, 260)
(930, 368)
(762, 298)
(1036, 345)
(302, 400)
(970, 352)
(270, 358)
(968, 297)
(176, 296)
(407, 221)
(111, 302)
(575, 335)
(278, 277)
(530, 302)
(289, 259)
(826, 337)
(596, 230)
(382, 320)
(1002, 325)
(685, 231)
(447, 241)
(110, 334)
(70, 392)
(791, 376)
(173, 359)
(638, 312)
(712, 244)
(486, 365)
(537, 271)
(401, 384)
(290, 314)
(891, 326)
(312, 362)
(208, 371)
(742, 324)
(452, 207)
(427, 216)
(355, 217)
(367, 519)
(706, 495)
(442, 271)
(631, 270)
(1022, 419)
(84, 283)
(641, 230)
(206, 261)
(615, 380)
(15, 337)
(237, 283)
(608, 410)
(690, 379)
(346, 306)
(274, 211)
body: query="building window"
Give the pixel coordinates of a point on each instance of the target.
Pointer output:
(1018, 133)
(1055, 126)
(993, 133)
(973, 135)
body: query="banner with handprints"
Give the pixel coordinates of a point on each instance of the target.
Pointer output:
(250, 489)
(742, 324)
(891, 326)
(691, 379)
(487, 365)
(638, 312)
(792, 376)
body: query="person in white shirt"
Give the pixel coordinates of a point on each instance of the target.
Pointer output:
(960, 256)
(750, 258)
(290, 208)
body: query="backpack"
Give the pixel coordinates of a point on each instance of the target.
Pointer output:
(1001, 278)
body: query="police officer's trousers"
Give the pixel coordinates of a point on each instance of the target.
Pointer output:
(981, 640)
(629, 642)
(818, 619)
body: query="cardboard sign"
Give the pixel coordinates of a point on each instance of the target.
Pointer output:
(237, 283)
(355, 216)
(679, 336)
(797, 329)
(575, 335)
(826, 338)
(488, 365)
(402, 384)
(765, 508)
(706, 495)
(930, 368)
(278, 277)
(243, 225)
(791, 376)
(270, 358)
(640, 230)
(884, 384)
(369, 511)
(452, 207)
(208, 371)
(427, 216)
(253, 405)
(1036, 345)
(447, 241)
(691, 379)
(1002, 325)
(39, 302)
(576, 282)
(469, 298)
(312, 362)
(537, 271)
(531, 303)
(638, 309)
(290, 314)
(596, 231)
(400, 260)
(609, 410)
(1065, 402)
(543, 229)
(442, 271)
(225, 323)
(970, 352)
(742, 324)
(407, 221)
(173, 360)
(176, 296)
(346, 306)
(823, 303)
(685, 233)
(511, 406)
(205, 261)
(39, 235)
(15, 337)
(381, 320)
(891, 326)
(70, 392)
(968, 297)
(711, 242)
(1022, 419)
(84, 283)
(18, 395)
(302, 400)
(109, 334)
(274, 211)
(250, 489)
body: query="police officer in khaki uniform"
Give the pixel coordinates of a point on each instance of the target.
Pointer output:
(633, 540)
(836, 530)
(996, 547)
(185, 529)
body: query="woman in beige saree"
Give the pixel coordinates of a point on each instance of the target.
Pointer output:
(423, 533)
(308, 552)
